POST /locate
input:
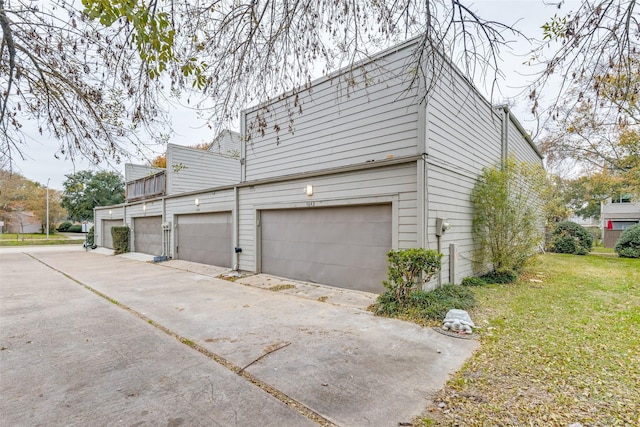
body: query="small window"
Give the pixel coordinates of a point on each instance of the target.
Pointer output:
(624, 198)
(623, 225)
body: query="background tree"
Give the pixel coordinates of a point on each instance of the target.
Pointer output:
(20, 196)
(594, 119)
(56, 212)
(75, 78)
(85, 190)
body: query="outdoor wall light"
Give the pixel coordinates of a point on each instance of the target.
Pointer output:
(110, 212)
(309, 190)
(197, 201)
(144, 207)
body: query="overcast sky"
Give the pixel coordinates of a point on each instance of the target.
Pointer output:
(526, 15)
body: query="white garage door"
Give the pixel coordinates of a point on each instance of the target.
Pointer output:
(107, 224)
(205, 238)
(147, 233)
(339, 246)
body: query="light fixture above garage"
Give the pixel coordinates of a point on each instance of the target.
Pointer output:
(197, 201)
(144, 207)
(309, 190)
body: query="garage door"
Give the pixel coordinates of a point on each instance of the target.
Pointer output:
(107, 240)
(205, 238)
(147, 234)
(341, 246)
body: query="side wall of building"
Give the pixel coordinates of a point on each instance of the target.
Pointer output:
(190, 169)
(133, 172)
(395, 184)
(355, 116)
(464, 134)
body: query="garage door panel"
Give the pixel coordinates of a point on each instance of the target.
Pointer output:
(148, 235)
(341, 246)
(358, 233)
(328, 253)
(205, 238)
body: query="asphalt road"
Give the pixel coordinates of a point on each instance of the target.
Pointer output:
(89, 339)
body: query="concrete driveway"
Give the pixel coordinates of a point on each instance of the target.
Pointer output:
(89, 338)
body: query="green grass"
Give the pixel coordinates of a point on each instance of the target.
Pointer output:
(555, 352)
(12, 239)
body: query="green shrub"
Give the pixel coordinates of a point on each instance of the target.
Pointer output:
(628, 245)
(77, 228)
(422, 306)
(91, 237)
(64, 226)
(473, 281)
(386, 305)
(499, 277)
(120, 237)
(506, 214)
(571, 238)
(409, 269)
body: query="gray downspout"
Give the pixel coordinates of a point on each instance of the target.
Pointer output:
(236, 230)
(505, 135)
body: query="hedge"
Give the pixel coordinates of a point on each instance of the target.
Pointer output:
(120, 236)
(628, 245)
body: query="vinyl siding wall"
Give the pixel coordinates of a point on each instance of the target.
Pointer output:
(463, 135)
(343, 120)
(133, 172)
(212, 201)
(519, 147)
(103, 213)
(190, 169)
(395, 184)
(227, 142)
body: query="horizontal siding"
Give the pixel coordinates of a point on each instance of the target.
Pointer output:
(623, 210)
(133, 172)
(518, 146)
(463, 131)
(227, 143)
(338, 123)
(449, 197)
(101, 214)
(191, 169)
(399, 181)
(464, 135)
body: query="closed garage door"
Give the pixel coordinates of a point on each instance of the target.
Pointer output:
(341, 246)
(148, 235)
(205, 238)
(107, 240)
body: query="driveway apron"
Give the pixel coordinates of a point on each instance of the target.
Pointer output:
(352, 368)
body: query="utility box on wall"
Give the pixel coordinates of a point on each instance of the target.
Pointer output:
(441, 226)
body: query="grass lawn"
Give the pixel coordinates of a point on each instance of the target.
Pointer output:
(11, 239)
(557, 351)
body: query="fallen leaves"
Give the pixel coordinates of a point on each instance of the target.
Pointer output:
(556, 354)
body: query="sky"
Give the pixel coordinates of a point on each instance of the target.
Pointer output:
(527, 16)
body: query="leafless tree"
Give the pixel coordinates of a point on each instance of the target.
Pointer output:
(93, 77)
(100, 74)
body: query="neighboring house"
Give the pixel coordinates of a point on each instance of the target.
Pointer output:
(188, 170)
(21, 222)
(618, 214)
(342, 172)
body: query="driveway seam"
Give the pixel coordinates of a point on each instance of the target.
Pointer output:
(288, 401)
